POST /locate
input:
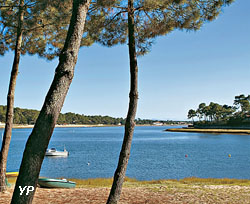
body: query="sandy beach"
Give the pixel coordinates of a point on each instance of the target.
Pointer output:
(60, 126)
(73, 126)
(141, 195)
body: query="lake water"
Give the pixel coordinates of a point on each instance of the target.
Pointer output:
(155, 154)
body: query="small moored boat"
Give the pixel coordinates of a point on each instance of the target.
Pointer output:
(55, 183)
(54, 152)
(11, 174)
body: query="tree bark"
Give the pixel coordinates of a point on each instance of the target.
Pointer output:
(39, 138)
(120, 172)
(10, 100)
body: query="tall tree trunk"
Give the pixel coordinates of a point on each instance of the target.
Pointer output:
(39, 139)
(119, 175)
(10, 100)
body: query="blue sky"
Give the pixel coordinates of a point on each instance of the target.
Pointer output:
(182, 70)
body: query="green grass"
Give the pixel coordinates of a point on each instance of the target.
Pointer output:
(100, 182)
(95, 182)
(130, 182)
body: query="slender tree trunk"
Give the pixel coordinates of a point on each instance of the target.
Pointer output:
(10, 100)
(119, 175)
(39, 139)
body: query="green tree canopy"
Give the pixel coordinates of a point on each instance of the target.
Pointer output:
(191, 114)
(153, 18)
(43, 28)
(239, 112)
(138, 23)
(242, 102)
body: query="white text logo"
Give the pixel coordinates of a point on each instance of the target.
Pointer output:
(29, 188)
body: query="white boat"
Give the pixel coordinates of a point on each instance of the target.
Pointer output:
(54, 152)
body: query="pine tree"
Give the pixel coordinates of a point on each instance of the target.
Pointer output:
(141, 22)
(42, 31)
(10, 99)
(41, 28)
(26, 27)
(38, 140)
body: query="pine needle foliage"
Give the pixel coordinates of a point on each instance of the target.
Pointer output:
(154, 18)
(45, 23)
(45, 26)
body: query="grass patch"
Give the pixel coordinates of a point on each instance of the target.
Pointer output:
(215, 181)
(132, 182)
(107, 182)
(100, 182)
(93, 182)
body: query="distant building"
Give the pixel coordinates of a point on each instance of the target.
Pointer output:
(157, 123)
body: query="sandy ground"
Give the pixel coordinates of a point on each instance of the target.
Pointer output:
(62, 126)
(75, 125)
(142, 195)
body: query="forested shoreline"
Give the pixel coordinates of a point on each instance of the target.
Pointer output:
(29, 116)
(215, 114)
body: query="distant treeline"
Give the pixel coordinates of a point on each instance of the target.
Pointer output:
(28, 116)
(216, 114)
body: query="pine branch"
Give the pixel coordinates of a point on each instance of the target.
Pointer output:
(111, 20)
(9, 6)
(41, 26)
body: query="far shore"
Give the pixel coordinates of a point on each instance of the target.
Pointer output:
(82, 125)
(59, 126)
(215, 131)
